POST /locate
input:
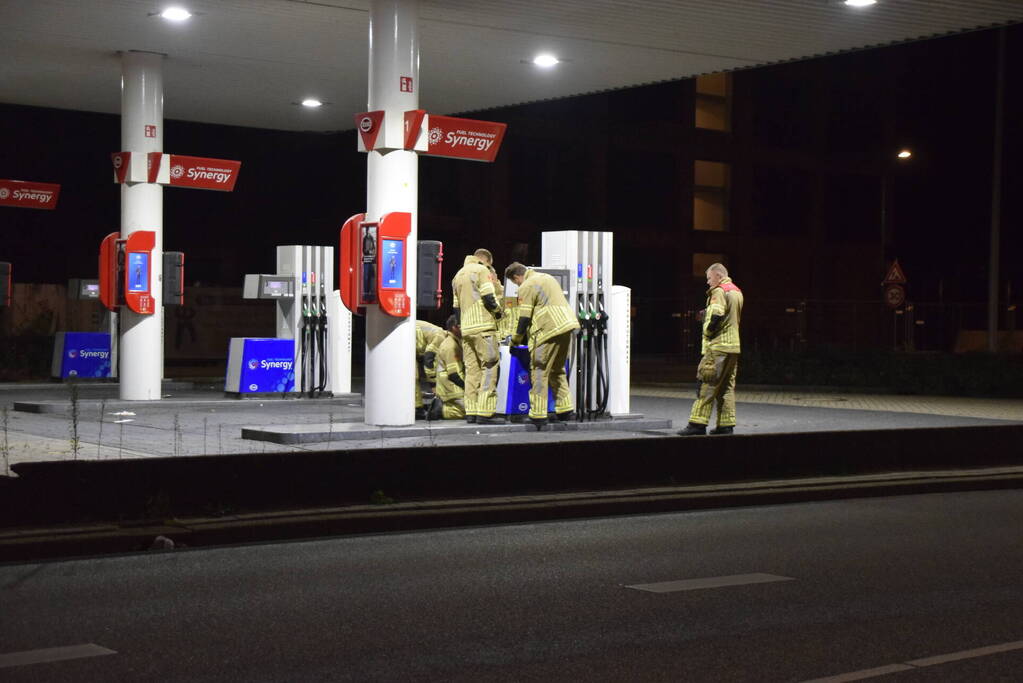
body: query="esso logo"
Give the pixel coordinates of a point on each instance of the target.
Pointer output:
(177, 170)
(253, 364)
(4, 193)
(366, 124)
(253, 387)
(73, 353)
(523, 407)
(435, 135)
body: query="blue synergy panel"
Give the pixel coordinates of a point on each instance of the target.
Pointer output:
(86, 354)
(268, 365)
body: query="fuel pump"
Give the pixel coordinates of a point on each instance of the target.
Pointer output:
(600, 381)
(310, 355)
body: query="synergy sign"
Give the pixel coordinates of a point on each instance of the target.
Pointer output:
(455, 138)
(200, 173)
(28, 195)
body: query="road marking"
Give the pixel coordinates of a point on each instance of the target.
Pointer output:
(712, 582)
(865, 673)
(920, 663)
(53, 654)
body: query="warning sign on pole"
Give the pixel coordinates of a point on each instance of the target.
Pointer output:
(895, 274)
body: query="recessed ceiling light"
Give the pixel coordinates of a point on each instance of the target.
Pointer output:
(175, 14)
(311, 102)
(546, 61)
(860, 3)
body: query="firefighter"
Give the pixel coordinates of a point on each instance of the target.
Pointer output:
(715, 376)
(448, 404)
(477, 312)
(428, 338)
(547, 321)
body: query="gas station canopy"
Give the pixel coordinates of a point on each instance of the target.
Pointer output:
(252, 62)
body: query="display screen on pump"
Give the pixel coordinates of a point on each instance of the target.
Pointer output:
(138, 272)
(392, 261)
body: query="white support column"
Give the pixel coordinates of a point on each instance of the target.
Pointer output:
(141, 348)
(392, 182)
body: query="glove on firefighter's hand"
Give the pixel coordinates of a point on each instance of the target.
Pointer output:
(706, 371)
(498, 314)
(714, 326)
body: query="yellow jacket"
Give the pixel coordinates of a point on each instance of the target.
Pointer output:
(721, 318)
(541, 300)
(449, 362)
(470, 285)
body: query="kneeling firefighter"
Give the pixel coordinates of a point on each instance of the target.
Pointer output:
(449, 404)
(428, 339)
(547, 321)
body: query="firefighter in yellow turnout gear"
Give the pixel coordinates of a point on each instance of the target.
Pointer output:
(715, 376)
(448, 404)
(477, 311)
(548, 322)
(428, 339)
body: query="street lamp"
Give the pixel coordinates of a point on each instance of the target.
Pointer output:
(903, 155)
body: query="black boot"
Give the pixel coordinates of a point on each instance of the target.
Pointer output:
(693, 429)
(538, 422)
(471, 419)
(420, 413)
(491, 420)
(436, 411)
(722, 430)
(566, 416)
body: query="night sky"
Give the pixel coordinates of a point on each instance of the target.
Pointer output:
(935, 97)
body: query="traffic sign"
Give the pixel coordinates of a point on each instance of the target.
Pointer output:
(895, 275)
(894, 295)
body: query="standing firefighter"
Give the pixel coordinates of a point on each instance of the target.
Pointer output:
(715, 375)
(477, 312)
(428, 338)
(449, 404)
(546, 319)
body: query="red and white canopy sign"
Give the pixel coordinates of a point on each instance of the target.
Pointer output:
(29, 195)
(196, 172)
(459, 138)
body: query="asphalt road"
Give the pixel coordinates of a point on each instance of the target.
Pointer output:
(925, 587)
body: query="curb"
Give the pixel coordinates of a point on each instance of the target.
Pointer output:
(32, 544)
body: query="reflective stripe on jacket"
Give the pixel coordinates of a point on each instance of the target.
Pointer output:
(541, 298)
(469, 286)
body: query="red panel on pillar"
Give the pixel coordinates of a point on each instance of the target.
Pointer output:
(349, 266)
(392, 259)
(138, 271)
(108, 271)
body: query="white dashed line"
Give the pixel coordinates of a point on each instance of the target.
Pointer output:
(919, 663)
(712, 582)
(53, 654)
